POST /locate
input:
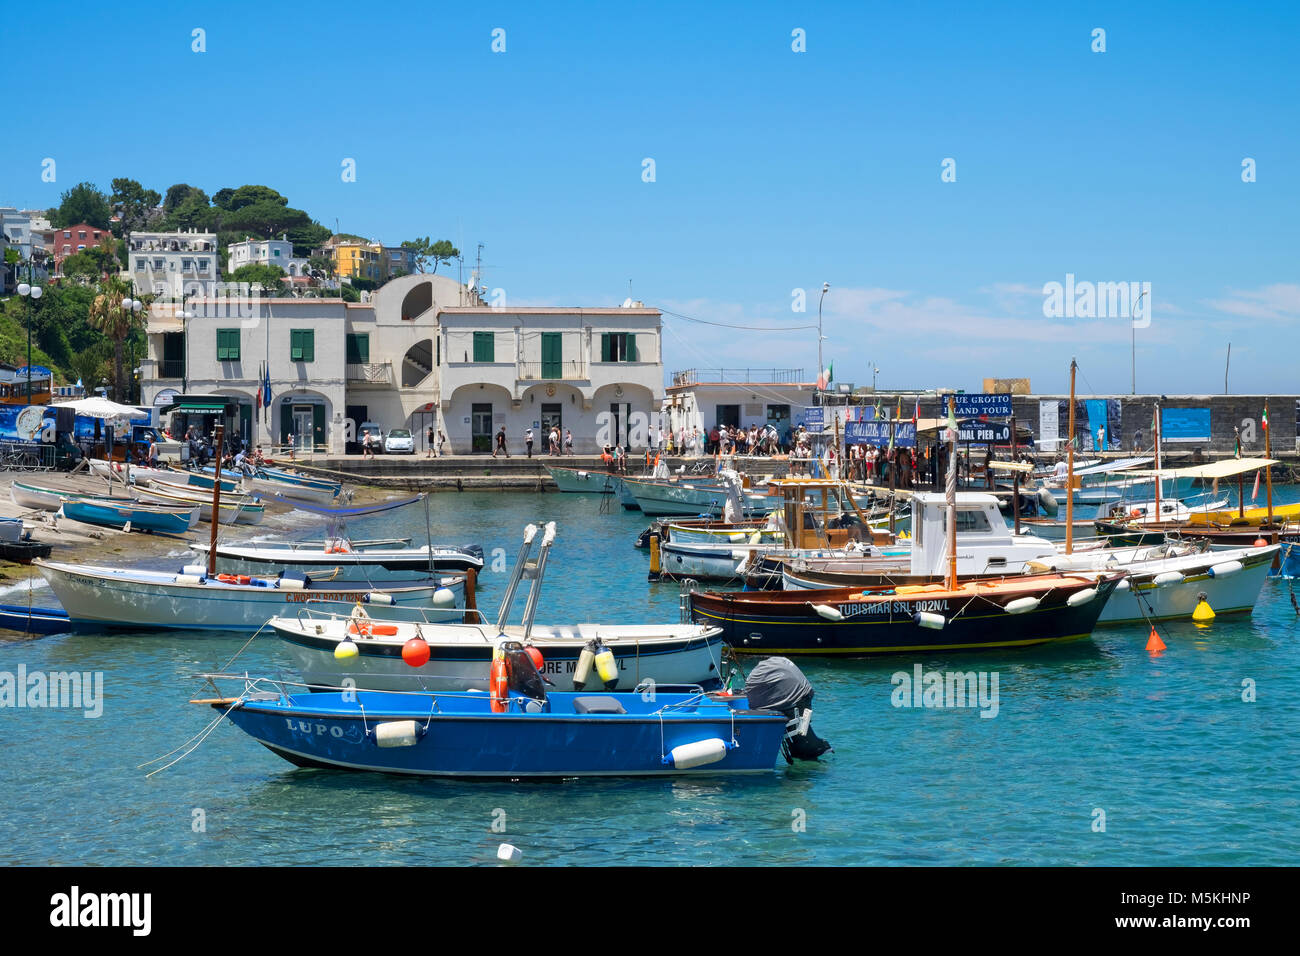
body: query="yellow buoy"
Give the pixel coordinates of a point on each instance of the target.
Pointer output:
(1203, 610)
(344, 650)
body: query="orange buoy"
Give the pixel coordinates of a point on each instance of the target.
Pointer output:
(1154, 644)
(1260, 543)
(497, 686)
(415, 651)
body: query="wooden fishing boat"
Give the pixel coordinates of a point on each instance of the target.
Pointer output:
(1017, 611)
(369, 563)
(235, 510)
(132, 515)
(28, 619)
(97, 598)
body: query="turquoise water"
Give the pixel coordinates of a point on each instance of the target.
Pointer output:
(1184, 770)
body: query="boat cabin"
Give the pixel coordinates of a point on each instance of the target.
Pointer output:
(985, 545)
(820, 513)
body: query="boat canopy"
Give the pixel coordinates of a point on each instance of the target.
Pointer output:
(1119, 464)
(1215, 469)
(341, 512)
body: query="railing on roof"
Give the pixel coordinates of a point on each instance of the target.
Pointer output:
(772, 376)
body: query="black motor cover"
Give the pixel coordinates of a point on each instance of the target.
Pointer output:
(777, 684)
(522, 675)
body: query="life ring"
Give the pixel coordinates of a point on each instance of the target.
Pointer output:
(244, 579)
(361, 627)
(1135, 513)
(227, 578)
(498, 687)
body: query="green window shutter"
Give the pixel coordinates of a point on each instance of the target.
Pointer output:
(309, 346)
(484, 347)
(358, 348)
(227, 345)
(295, 345)
(605, 355)
(631, 355)
(302, 345)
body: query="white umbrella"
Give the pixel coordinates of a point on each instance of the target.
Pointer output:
(102, 408)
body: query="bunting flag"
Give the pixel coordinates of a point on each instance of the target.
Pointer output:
(1264, 421)
(876, 412)
(952, 418)
(916, 412)
(1254, 493)
(259, 391)
(900, 408)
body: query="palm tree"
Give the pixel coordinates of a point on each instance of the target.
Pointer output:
(108, 314)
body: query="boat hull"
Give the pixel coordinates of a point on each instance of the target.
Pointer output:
(461, 655)
(576, 481)
(107, 515)
(336, 730)
(396, 564)
(99, 598)
(778, 622)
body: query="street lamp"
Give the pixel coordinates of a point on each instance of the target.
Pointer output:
(185, 343)
(826, 287)
(130, 307)
(1134, 336)
(30, 294)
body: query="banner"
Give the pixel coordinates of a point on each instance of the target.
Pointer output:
(1049, 424)
(814, 418)
(977, 405)
(877, 433)
(984, 432)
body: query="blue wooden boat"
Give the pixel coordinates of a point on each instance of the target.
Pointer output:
(34, 620)
(518, 729)
(459, 735)
(112, 514)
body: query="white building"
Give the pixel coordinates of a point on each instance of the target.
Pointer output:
(265, 252)
(421, 352)
(17, 227)
(165, 263)
(703, 398)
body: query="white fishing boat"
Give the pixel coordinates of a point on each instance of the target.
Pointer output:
(367, 648)
(1168, 581)
(373, 564)
(664, 498)
(578, 481)
(132, 474)
(141, 599)
(236, 511)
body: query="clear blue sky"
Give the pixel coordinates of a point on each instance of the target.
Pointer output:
(775, 170)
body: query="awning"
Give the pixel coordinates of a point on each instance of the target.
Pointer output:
(1217, 469)
(195, 406)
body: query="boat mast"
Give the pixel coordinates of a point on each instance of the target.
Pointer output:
(1069, 474)
(951, 488)
(216, 503)
(1268, 469)
(1159, 478)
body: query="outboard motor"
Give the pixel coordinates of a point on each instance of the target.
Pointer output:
(522, 675)
(777, 684)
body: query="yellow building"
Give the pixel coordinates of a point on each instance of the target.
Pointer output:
(357, 260)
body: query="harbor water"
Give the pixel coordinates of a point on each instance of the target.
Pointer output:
(1095, 752)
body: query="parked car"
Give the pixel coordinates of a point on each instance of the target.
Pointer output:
(399, 442)
(376, 436)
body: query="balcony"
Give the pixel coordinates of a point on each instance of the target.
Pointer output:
(370, 373)
(571, 371)
(171, 368)
(766, 376)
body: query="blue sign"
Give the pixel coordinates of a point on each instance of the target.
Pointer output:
(1185, 424)
(814, 419)
(877, 433)
(983, 432)
(993, 406)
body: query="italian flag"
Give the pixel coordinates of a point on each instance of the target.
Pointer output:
(1264, 420)
(828, 373)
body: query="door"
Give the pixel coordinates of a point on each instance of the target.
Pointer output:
(480, 427)
(552, 417)
(552, 365)
(728, 415)
(302, 427)
(619, 412)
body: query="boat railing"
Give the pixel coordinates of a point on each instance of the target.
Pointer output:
(316, 614)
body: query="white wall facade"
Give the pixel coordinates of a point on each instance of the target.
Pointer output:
(163, 262)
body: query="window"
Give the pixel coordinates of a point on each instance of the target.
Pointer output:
(277, 253)
(968, 520)
(618, 347)
(302, 345)
(358, 349)
(227, 345)
(81, 234)
(67, 233)
(96, 235)
(484, 347)
(140, 264)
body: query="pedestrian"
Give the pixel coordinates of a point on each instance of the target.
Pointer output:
(428, 441)
(568, 442)
(501, 443)
(367, 444)
(442, 442)
(528, 441)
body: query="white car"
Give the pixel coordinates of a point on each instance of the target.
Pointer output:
(399, 441)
